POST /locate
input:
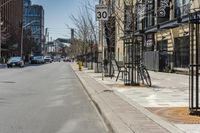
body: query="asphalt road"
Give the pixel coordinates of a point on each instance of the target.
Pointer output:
(45, 99)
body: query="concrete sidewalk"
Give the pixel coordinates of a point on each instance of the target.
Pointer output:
(167, 98)
(121, 116)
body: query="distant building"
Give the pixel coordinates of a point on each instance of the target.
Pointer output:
(34, 20)
(27, 3)
(12, 17)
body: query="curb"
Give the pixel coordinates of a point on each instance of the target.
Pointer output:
(104, 111)
(106, 121)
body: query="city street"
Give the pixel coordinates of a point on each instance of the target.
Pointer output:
(45, 99)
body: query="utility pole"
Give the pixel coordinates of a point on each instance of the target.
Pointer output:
(22, 34)
(46, 45)
(48, 48)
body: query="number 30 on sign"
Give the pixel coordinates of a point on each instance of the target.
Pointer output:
(101, 13)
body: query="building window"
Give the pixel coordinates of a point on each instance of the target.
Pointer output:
(182, 7)
(149, 19)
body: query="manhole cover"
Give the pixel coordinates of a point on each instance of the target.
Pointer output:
(9, 82)
(107, 90)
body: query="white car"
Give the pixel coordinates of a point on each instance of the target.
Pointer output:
(48, 59)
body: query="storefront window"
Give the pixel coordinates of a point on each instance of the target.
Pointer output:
(149, 45)
(162, 45)
(181, 52)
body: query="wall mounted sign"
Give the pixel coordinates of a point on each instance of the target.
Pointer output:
(163, 8)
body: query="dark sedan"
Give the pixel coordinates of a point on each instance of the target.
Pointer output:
(15, 61)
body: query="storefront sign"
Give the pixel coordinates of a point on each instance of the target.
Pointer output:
(162, 10)
(141, 8)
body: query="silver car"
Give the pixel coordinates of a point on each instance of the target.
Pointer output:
(15, 61)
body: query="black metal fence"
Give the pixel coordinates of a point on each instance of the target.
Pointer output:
(194, 103)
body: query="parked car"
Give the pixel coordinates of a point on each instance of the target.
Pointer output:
(67, 60)
(56, 58)
(48, 59)
(37, 60)
(15, 61)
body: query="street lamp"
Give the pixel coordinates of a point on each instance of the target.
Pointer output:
(21, 51)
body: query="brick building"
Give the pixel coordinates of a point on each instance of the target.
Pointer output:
(11, 19)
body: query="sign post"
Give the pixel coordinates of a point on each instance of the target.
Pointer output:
(101, 16)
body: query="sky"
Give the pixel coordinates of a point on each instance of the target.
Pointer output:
(57, 15)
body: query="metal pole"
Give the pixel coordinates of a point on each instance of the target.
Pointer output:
(197, 67)
(102, 50)
(22, 40)
(48, 46)
(192, 69)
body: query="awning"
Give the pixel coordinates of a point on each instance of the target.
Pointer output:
(153, 29)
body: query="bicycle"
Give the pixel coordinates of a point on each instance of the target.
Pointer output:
(143, 73)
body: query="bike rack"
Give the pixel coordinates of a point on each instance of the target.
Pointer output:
(194, 103)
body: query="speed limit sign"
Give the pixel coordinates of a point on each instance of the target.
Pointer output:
(101, 12)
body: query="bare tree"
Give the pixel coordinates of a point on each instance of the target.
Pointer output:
(86, 27)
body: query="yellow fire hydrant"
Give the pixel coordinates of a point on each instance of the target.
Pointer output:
(80, 66)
